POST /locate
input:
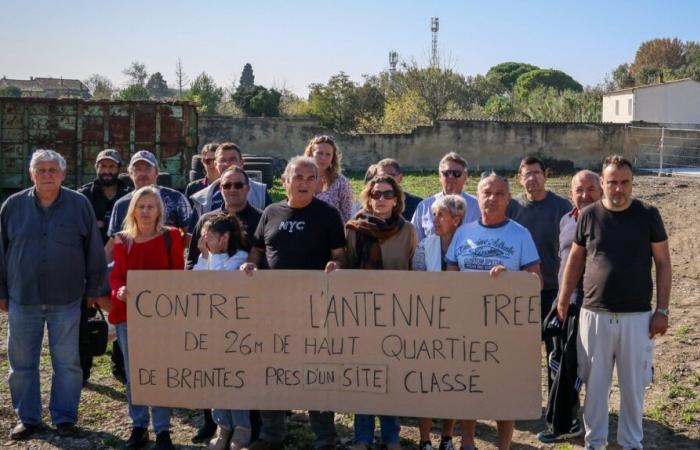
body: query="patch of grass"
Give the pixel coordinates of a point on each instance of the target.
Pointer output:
(684, 330)
(678, 390)
(565, 447)
(657, 413)
(695, 378)
(668, 376)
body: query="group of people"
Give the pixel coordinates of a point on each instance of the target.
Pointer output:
(593, 259)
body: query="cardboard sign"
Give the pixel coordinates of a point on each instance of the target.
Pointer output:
(449, 344)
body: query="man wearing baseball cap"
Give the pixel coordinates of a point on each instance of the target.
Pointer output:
(103, 193)
(143, 171)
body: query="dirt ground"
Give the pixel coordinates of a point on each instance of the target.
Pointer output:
(672, 405)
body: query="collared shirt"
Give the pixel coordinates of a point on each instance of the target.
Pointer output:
(49, 256)
(423, 217)
(102, 205)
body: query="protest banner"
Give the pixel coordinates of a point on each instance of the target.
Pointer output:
(450, 344)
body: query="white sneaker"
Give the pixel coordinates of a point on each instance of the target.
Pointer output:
(240, 439)
(220, 442)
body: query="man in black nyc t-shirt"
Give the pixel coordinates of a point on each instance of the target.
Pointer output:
(304, 233)
(616, 240)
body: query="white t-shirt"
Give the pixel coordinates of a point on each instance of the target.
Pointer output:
(476, 247)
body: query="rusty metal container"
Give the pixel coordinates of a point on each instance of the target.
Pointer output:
(80, 129)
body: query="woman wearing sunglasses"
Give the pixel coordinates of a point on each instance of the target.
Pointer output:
(379, 239)
(332, 187)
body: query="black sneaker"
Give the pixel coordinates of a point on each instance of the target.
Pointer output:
(66, 429)
(22, 431)
(426, 445)
(446, 444)
(138, 438)
(207, 430)
(550, 437)
(163, 441)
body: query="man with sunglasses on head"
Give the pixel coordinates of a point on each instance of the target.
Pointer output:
(211, 174)
(453, 175)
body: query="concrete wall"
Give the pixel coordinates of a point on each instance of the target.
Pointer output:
(485, 144)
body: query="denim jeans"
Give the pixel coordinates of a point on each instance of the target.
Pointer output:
(274, 427)
(231, 418)
(364, 429)
(24, 341)
(138, 413)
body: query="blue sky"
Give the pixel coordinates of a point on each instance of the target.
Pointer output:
(294, 43)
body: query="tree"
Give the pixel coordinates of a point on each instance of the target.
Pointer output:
(100, 87)
(499, 107)
(291, 105)
(247, 80)
(157, 87)
(205, 93)
(436, 87)
(180, 77)
(11, 91)
(133, 92)
(257, 101)
(507, 73)
(544, 78)
(335, 104)
(136, 73)
(663, 53)
(622, 77)
(403, 113)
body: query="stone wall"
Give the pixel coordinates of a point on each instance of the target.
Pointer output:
(485, 144)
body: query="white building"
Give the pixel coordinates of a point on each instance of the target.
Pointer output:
(668, 103)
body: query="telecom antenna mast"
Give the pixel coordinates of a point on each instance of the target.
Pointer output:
(434, 27)
(393, 60)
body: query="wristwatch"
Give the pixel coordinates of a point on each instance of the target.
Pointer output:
(663, 311)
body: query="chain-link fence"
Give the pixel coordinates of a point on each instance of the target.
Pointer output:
(665, 150)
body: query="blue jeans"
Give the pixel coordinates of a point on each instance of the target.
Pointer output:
(138, 413)
(231, 418)
(24, 341)
(364, 429)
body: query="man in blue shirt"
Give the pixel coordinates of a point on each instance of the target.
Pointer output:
(51, 255)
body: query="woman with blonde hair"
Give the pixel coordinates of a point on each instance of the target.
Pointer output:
(332, 187)
(379, 238)
(144, 244)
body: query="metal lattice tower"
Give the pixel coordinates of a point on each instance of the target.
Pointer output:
(434, 27)
(393, 60)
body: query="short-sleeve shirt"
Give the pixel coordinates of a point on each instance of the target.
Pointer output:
(177, 210)
(617, 276)
(423, 217)
(542, 219)
(299, 238)
(476, 247)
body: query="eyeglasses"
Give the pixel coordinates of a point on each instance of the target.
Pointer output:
(208, 161)
(235, 185)
(388, 195)
(456, 173)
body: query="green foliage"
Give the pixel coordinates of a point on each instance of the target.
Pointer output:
(663, 53)
(622, 77)
(205, 93)
(133, 92)
(480, 89)
(548, 104)
(156, 85)
(499, 107)
(402, 113)
(257, 101)
(507, 73)
(136, 73)
(436, 87)
(292, 105)
(544, 78)
(337, 104)
(10, 91)
(247, 80)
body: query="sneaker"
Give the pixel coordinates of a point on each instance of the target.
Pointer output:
(163, 441)
(240, 438)
(22, 431)
(446, 444)
(222, 439)
(549, 437)
(138, 438)
(66, 429)
(207, 430)
(425, 445)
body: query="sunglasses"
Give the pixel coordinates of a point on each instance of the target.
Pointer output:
(388, 195)
(456, 173)
(208, 161)
(235, 185)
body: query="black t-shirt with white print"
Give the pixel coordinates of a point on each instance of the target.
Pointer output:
(299, 238)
